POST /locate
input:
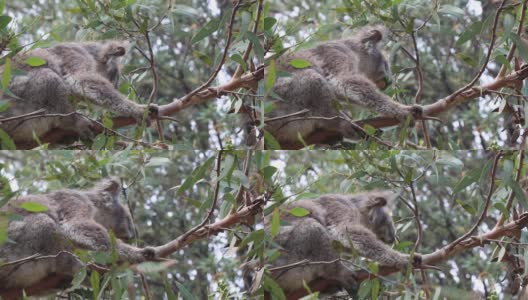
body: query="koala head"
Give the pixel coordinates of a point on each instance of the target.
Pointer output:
(106, 54)
(373, 64)
(378, 215)
(110, 213)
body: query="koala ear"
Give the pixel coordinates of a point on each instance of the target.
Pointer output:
(117, 51)
(377, 202)
(111, 185)
(113, 49)
(373, 36)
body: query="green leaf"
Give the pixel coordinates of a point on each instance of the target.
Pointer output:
(207, 30)
(196, 175)
(185, 10)
(270, 142)
(364, 289)
(33, 206)
(184, 292)
(35, 61)
(268, 172)
(470, 209)
(271, 286)
(467, 180)
(270, 76)
(521, 48)
(154, 268)
(369, 129)
(227, 167)
(269, 22)
(451, 10)
(502, 252)
(519, 194)
(94, 282)
(275, 222)
(168, 290)
(78, 278)
(375, 288)
(470, 32)
(299, 212)
(6, 76)
(99, 142)
(300, 63)
(257, 46)
(158, 161)
(4, 21)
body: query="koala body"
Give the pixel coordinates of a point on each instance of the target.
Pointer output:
(75, 219)
(349, 71)
(361, 221)
(82, 71)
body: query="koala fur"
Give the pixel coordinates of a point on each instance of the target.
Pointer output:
(348, 70)
(75, 219)
(83, 71)
(362, 221)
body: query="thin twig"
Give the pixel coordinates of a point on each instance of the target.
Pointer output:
(488, 56)
(509, 203)
(486, 204)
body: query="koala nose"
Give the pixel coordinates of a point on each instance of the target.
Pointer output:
(389, 239)
(381, 84)
(384, 82)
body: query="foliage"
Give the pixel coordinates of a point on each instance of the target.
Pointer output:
(447, 41)
(171, 192)
(184, 41)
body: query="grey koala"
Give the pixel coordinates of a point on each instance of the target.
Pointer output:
(84, 71)
(348, 70)
(361, 221)
(75, 219)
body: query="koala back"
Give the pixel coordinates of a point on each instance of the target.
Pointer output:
(369, 209)
(360, 54)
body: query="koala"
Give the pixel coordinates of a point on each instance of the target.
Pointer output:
(362, 222)
(349, 71)
(83, 71)
(74, 219)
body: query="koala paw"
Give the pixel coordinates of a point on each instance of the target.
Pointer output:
(153, 110)
(417, 260)
(416, 111)
(149, 253)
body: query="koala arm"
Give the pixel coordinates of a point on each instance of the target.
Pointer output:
(101, 92)
(361, 91)
(92, 236)
(369, 246)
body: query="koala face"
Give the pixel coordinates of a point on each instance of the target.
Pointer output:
(379, 216)
(110, 213)
(382, 225)
(106, 57)
(374, 65)
(121, 224)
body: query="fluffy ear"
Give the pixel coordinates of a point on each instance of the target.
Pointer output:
(377, 202)
(111, 185)
(380, 199)
(113, 49)
(371, 36)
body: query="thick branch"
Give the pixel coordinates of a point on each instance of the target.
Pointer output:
(211, 229)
